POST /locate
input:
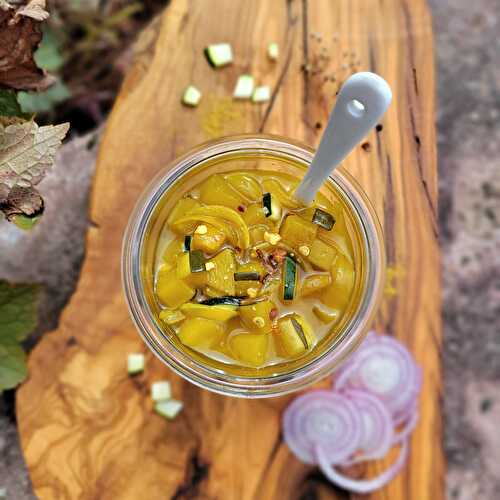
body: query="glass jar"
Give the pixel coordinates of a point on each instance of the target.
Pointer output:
(138, 257)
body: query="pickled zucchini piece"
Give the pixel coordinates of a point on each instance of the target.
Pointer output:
(191, 269)
(201, 333)
(246, 185)
(209, 242)
(298, 232)
(337, 295)
(257, 316)
(272, 207)
(335, 239)
(221, 275)
(322, 255)
(174, 248)
(161, 390)
(181, 208)
(257, 234)
(285, 197)
(222, 312)
(169, 408)
(255, 214)
(172, 291)
(217, 191)
(246, 276)
(323, 219)
(257, 269)
(325, 316)
(289, 279)
(171, 316)
(221, 300)
(250, 348)
(223, 218)
(313, 283)
(296, 335)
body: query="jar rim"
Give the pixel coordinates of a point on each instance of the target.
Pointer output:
(217, 380)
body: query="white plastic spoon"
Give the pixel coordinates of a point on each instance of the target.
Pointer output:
(361, 102)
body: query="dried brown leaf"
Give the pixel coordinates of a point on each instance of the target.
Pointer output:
(34, 9)
(27, 152)
(19, 38)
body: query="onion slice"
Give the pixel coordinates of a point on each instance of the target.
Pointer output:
(325, 419)
(377, 427)
(386, 369)
(356, 485)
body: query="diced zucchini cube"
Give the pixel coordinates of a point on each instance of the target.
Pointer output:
(273, 51)
(337, 295)
(209, 242)
(181, 208)
(221, 275)
(171, 291)
(169, 409)
(244, 87)
(297, 231)
(296, 335)
(261, 94)
(201, 333)
(322, 255)
(257, 316)
(196, 280)
(192, 96)
(217, 191)
(135, 363)
(160, 391)
(250, 348)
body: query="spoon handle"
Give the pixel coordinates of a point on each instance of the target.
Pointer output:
(361, 102)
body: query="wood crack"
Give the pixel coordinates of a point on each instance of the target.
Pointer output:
(197, 472)
(291, 21)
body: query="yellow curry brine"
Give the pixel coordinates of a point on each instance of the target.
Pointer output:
(248, 276)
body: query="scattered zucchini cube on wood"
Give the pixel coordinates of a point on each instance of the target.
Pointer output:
(217, 191)
(338, 294)
(191, 97)
(273, 51)
(169, 408)
(295, 335)
(257, 317)
(135, 363)
(297, 231)
(322, 255)
(160, 391)
(201, 333)
(219, 54)
(244, 87)
(261, 94)
(250, 348)
(221, 269)
(172, 291)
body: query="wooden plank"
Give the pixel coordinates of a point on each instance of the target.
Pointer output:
(87, 429)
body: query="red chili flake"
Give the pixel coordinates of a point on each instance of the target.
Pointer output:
(237, 249)
(241, 208)
(278, 255)
(273, 314)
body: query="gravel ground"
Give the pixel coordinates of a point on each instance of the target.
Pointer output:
(467, 48)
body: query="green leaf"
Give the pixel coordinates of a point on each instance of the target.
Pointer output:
(25, 222)
(39, 102)
(48, 55)
(9, 106)
(18, 305)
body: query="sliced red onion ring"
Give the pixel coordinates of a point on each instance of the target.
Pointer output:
(385, 368)
(377, 427)
(356, 485)
(324, 419)
(405, 431)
